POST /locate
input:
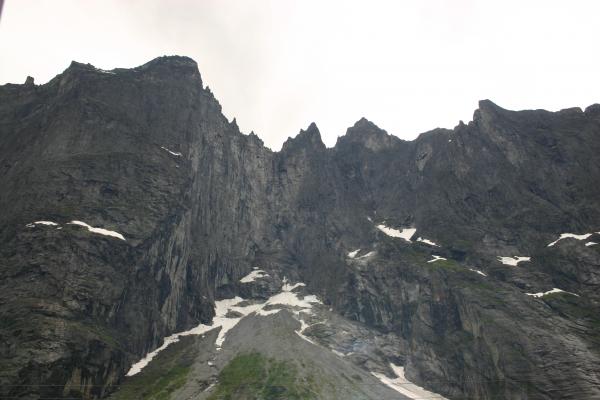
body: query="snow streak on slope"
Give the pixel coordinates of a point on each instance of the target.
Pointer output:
(436, 258)
(221, 308)
(99, 231)
(175, 153)
(48, 223)
(477, 271)
(405, 387)
(555, 290)
(570, 235)
(427, 241)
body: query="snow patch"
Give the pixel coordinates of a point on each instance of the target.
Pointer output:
(436, 258)
(254, 275)
(427, 241)
(406, 387)
(405, 233)
(570, 235)
(588, 244)
(477, 271)
(175, 153)
(48, 223)
(555, 290)
(513, 261)
(100, 231)
(353, 254)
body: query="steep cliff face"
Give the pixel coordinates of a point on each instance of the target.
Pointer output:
(186, 205)
(145, 153)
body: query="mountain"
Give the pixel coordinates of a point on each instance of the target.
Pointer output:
(131, 207)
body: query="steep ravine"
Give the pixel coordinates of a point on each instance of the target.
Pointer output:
(147, 153)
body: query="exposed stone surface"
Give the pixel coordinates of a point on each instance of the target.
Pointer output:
(103, 147)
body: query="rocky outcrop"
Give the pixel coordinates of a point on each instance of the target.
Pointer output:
(147, 154)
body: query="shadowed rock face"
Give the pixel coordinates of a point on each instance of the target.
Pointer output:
(146, 152)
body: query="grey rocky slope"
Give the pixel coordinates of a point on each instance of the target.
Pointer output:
(146, 152)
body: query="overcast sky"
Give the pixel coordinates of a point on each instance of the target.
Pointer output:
(409, 66)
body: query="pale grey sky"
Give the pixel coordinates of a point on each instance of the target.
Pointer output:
(278, 65)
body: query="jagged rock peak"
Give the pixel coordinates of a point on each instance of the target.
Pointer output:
(593, 110)
(311, 130)
(75, 65)
(365, 123)
(369, 135)
(173, 66)
(487, 110)
(309, 137)
(488, 106)
(171, 61)
(29, 81)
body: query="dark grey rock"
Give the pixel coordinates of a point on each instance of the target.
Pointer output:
(78, 307)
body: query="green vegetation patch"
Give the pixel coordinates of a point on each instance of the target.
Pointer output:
(447, 264)
(253, 376)
(160, 388)
(416, 257)
(98, 331)
(575, 308)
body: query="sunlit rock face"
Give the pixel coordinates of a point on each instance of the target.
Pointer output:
(129, 204)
